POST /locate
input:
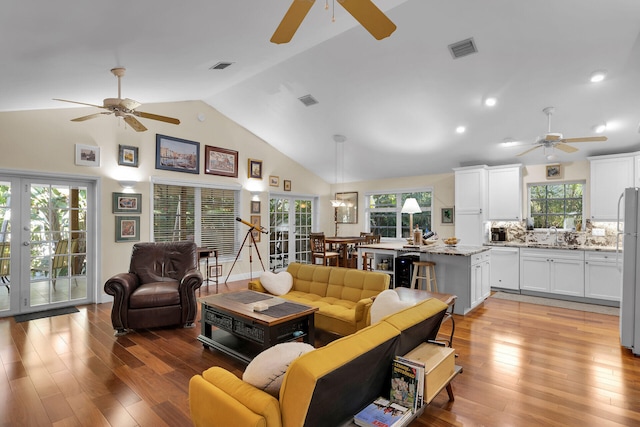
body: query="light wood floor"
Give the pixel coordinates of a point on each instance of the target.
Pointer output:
(524, 365)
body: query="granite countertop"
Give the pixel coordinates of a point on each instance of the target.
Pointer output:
(551, 246)
(437, 248)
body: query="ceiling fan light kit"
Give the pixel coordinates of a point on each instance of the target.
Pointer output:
(555, 140)
(364, 11)
(125, 108)
(598, 76)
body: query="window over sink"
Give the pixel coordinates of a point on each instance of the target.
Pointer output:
(559, 205)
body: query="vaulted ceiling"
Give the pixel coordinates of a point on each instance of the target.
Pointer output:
(398, 101)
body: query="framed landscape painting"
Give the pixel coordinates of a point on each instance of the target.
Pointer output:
(177, 154)
(220, 161)
(128, 156)
(87, 155)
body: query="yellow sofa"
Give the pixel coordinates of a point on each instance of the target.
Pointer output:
(343, 295)
(324, 387)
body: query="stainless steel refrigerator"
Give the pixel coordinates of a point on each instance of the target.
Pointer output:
(630, 303)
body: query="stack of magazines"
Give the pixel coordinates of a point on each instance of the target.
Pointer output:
(382, 413)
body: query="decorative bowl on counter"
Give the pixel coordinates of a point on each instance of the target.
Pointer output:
(451, 241)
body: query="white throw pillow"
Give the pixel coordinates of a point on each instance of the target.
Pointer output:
(277, 284)
(387, 302)
(266, 371)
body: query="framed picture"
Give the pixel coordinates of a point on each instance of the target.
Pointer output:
(287, 185)
(347, 212)
(87, 155)
(255, 220)
(255, 206)
(220, 161)
(447, 216)
(127, 203)
(274, 181)
(177, 154)
(128, 156)
(255, 168)
(554, 171)
(215, 270)
(127, 228)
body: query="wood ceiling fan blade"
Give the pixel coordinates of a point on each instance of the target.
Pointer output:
(134, 123)
(90, 116)
(370, 17)
(81, 103)
(157, 117)
(552, 137)
(586, 139)
(528, 151)
(566, 148)
(291, 21)
(129, 104)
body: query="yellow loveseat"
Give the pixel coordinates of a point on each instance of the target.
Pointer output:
(343, 295)
(324, 387)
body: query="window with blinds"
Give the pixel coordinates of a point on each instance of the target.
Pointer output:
(205, 215)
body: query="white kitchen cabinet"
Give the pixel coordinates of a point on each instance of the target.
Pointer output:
(555, 271)
(480, 277)
(505, 268)
(602, 279)
(609, 176)
(504, 193)
(470, 190)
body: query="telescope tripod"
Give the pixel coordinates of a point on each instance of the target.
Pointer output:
(252, 243)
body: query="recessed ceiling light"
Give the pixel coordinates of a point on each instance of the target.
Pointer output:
(600, 128)
(598, 76)
(509, 142)
(490, 102)
(461, 129)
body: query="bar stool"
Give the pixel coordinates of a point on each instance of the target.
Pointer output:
(428, 275)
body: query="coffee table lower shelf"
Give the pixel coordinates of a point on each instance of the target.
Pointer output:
(239, 348)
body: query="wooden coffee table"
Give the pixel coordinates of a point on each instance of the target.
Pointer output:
(230, 325)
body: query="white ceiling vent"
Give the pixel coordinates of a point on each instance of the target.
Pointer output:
(463, 48)
(220, 65)
(308, 100)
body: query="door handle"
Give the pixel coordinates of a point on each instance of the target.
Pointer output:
(26, 244)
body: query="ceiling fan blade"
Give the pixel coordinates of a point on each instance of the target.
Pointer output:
(586, 139)
(566, 148)
(291, 21)
(552, 137)
(370, 17)
(129, 104)
(81, 103)
(134, 123)
(90, 116)
(157, 117)
(528, 151)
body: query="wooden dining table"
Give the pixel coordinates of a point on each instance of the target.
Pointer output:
(344, 242)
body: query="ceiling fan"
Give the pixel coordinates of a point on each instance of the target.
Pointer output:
(364, 11)
(125, 108)
(555, 140)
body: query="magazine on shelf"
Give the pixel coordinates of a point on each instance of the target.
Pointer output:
(382, 413)
(405, 380)
(420, 370)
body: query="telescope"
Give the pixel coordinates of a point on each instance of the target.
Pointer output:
(248, 224)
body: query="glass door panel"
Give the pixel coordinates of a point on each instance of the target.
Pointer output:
(290, 222)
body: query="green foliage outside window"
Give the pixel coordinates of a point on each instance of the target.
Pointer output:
(551, 204)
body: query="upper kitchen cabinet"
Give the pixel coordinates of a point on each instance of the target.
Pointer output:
(505, 193)
(610, 175)
(470, 190)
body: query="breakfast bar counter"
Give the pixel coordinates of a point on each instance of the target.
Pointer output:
(461, 270)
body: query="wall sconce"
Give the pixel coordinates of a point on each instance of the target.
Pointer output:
(255, 196)
(127, 185)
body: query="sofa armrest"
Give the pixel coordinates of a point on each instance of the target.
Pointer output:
(121, 286)
(255, 285)
(219, 398)
(362, 309)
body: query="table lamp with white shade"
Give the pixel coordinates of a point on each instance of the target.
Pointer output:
(411, 206)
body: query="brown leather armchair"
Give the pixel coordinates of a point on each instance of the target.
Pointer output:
(159, 289)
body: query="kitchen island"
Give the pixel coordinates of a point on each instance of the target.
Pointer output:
(461, 270)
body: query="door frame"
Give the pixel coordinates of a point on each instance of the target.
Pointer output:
(94, 209)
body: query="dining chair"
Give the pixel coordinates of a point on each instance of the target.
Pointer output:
(319, 249)
(367, 259)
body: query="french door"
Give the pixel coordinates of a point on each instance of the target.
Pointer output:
(290, 222)
(44, 239)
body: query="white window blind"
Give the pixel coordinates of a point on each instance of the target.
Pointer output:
(204, 215)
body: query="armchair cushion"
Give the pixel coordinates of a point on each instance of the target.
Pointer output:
(156, 294)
